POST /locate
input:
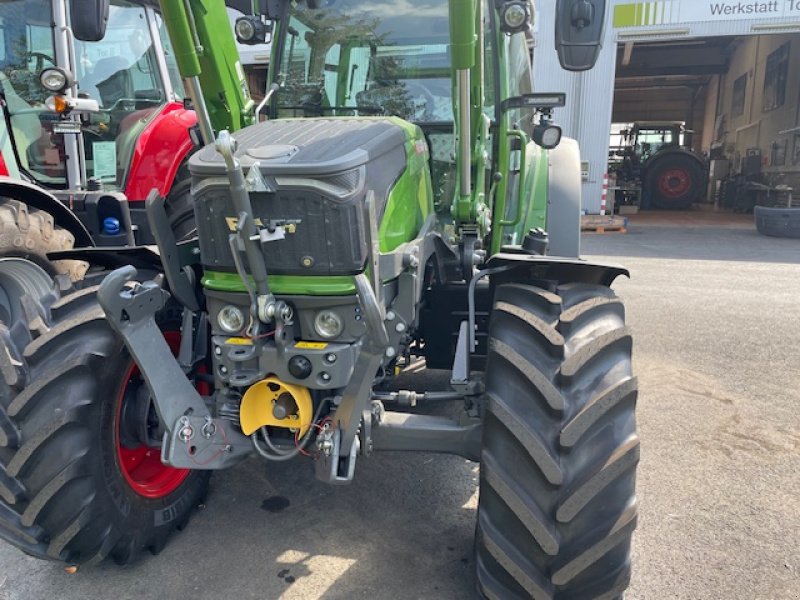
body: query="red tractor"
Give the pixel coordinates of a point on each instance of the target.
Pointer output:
(93, 123)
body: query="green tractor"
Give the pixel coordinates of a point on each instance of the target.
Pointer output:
(408, 197)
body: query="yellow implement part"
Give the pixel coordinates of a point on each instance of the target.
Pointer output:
(260, 398)
(311, 345)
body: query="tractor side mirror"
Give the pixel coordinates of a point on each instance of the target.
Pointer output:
(579, 32)
(88, 19)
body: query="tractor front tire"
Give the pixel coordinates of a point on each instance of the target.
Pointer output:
(30, 233)
(557, 502)
(73, 486)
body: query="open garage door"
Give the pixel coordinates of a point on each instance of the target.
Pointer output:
(710, 124)
(725, 73)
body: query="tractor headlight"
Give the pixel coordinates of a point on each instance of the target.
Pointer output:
(328, 324)
(245, 30)
(547, 135)
(231, 319)
(515, 16)
(55, 79)
(250, 29)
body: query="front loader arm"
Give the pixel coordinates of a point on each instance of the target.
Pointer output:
(208, 60)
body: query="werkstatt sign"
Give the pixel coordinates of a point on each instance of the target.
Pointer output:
(667, 12)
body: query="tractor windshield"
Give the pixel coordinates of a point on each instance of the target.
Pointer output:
(27, 47)
(121, 72)
(650, 140)
(359, 58)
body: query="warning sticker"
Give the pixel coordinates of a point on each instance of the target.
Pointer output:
(104, 156)
(311, 345)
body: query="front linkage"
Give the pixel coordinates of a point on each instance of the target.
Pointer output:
(196, 439)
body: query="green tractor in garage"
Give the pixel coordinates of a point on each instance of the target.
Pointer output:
(653, 158)
(409, 197)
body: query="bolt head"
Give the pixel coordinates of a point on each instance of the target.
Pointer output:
(390, 316)
(390, 352)
(400, 327)
(186, 433)
(217, 350)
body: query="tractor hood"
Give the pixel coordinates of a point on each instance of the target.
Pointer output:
(309, 147)
(312, 173)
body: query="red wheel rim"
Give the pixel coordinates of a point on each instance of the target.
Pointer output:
(675, 183)
(141, 466)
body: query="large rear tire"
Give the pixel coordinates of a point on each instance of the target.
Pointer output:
(30, 233)
(557, 501)
(76, 483)
(675, 180)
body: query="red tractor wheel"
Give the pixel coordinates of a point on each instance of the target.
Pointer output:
(81, 477)
(675, 183)
(675, 180)
(138, 436)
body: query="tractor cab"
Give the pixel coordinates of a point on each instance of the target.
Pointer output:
(347, 58)
(649, 138)
(358, 59)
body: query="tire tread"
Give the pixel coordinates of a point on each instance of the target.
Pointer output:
(557, 508)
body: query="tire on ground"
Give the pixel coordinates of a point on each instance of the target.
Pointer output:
(29, 233)
(63, 494)
(660, 166)
(557, 502)
(778, 222)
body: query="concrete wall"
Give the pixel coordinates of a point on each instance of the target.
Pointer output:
(757, 127)
(710, 113)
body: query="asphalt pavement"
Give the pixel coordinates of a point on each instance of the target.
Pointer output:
(716, 320)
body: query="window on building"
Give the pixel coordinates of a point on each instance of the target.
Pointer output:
(775, 78)
(739, 94)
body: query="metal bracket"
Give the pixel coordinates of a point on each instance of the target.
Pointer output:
(373, 241)
(131, 313)
(422, 433)
(371, 352)
(460, 377)
(178, 281)
(333, 468)
(204, 443)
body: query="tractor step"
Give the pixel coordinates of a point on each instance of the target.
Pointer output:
(604, 224)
